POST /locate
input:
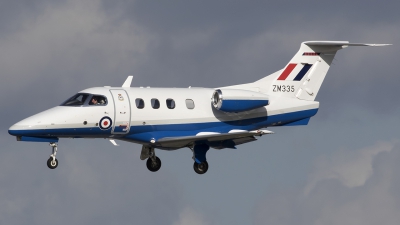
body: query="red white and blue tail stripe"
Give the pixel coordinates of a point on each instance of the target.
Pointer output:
(294, 72)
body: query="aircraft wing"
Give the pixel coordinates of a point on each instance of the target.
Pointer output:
(215, 140)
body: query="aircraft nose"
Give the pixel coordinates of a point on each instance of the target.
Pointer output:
(37, 124)
(23, 127)
(15, 130)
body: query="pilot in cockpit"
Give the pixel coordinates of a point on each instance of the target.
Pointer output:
(96, 101)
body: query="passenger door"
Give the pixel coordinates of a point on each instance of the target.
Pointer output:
(122, 109)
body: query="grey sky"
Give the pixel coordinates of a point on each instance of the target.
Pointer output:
(341, 168)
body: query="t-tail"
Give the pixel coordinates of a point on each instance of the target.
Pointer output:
(303, 75)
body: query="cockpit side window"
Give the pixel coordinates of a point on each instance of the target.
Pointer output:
(76, 100)
(84, 99)
(98, 100)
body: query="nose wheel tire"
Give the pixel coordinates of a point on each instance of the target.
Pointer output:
(52, 164)
(200, 168)
(153, 165)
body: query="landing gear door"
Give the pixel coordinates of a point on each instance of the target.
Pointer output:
(122, 114)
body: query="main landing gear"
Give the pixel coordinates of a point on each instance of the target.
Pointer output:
(153, 162)
(200, 168)
(52, 162)
(200, 165)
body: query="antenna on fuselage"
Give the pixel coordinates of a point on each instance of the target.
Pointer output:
(128, 82)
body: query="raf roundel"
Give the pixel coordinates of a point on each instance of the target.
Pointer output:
(105, 123)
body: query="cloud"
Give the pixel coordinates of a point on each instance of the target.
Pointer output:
(61, 48)
(351, 168)
(66, 47)
(66, 35)
(88, 187)
(50, 50)
(190, 216)
(362, 188)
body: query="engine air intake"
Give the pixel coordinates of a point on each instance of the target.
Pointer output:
(231, 100)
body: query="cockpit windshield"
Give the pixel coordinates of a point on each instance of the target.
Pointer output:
(84, 99)
(76, 100)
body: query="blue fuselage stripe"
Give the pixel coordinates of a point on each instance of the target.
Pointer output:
(144, 133)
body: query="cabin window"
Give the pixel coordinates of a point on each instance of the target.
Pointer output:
(98, 100)
(155, 103)
(139, 103)
(76, 100)
(170, 103)
(189, 103)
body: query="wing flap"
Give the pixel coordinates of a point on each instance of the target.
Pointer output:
(232, 143)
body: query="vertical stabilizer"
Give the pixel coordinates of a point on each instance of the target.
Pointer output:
(303, 75)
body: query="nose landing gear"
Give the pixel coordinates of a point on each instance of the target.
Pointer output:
(52, 162)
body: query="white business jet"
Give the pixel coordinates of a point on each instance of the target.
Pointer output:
(196, 118)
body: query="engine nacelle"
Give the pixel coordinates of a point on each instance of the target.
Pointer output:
(231, 100)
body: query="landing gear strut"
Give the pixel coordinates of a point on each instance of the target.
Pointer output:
(200, 165)
(52, 162)
(153, 162)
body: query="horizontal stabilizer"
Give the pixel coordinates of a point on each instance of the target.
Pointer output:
(340, 43)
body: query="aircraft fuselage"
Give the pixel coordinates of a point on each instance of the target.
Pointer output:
(192, 113)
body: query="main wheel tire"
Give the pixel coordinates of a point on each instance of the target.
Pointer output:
(52, 164)
(153, 166)
(200, 168)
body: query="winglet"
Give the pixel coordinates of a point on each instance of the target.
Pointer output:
(128, 81)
